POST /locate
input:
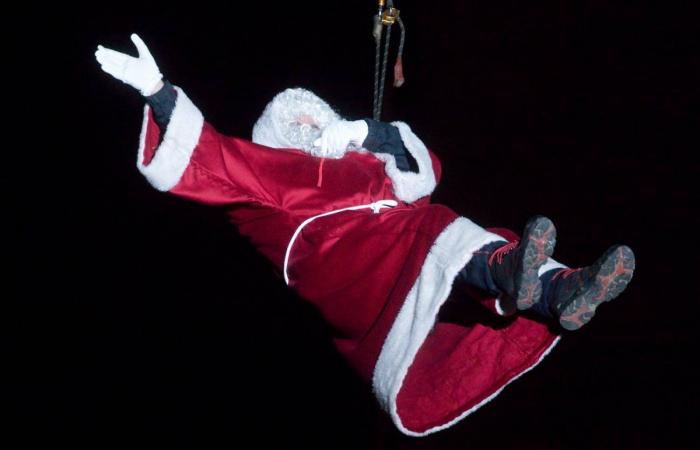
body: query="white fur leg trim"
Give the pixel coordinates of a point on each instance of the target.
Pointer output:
(451, 251)
(506, 306)
(410, 186)
(549, 265)
(173, 155)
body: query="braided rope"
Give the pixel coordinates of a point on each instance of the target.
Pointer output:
(381, 83)
(403, 37)
(377, 52)
(378, 59)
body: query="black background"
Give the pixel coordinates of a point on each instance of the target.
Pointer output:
(137, 318)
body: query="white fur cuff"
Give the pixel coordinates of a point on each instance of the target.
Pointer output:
(410, 186)
(173, 155)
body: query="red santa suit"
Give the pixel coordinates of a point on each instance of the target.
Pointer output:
(367, 249)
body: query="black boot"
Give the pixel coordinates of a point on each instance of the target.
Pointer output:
(572, 295)
(513, 267)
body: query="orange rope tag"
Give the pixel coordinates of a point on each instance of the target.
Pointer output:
(398, 73)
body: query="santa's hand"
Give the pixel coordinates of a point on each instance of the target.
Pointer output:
(141, 73)
(337, 136)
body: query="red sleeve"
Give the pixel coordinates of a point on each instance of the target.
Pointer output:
(195, 161)
(437, 166)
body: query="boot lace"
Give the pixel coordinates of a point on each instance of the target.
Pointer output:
(500, 252)
(564, 273)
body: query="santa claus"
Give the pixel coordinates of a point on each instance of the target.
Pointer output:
(342, 208)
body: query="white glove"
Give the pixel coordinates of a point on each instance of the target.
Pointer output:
(141, 73)
(337, 136)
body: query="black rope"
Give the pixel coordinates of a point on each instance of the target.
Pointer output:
(381, 83)
(403, 37)
(378, 40)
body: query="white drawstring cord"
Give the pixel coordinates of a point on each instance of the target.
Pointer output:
(375, 207)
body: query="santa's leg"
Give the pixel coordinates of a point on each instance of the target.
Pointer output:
(511, 270)
(567, 296)
(571, 296)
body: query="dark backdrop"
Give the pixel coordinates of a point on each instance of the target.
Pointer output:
(137, 318)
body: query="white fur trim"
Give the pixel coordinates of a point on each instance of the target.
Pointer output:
(549, 265)
(452, 250)
(173, 154)
(410, 186)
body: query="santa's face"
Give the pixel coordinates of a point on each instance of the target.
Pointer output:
(295, 118)
(306, 119)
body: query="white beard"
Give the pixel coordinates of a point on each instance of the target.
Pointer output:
(284, 122)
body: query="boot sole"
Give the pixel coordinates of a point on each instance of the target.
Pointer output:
(539, 239)
(613, 275)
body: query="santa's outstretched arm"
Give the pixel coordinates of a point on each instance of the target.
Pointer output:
(179, 152)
